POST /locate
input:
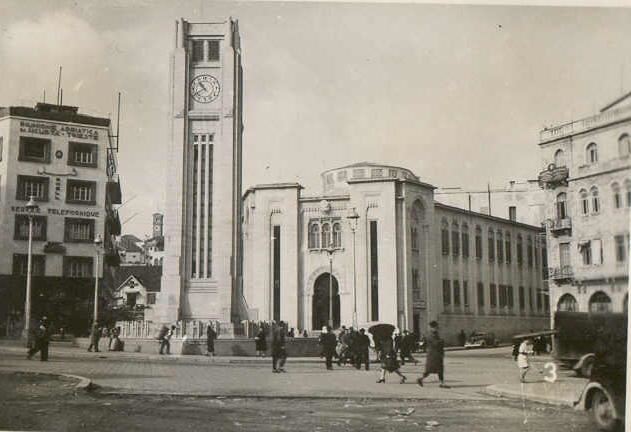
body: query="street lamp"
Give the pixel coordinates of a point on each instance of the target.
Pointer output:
(330, 250)
(353, 218)
(31, 207)
(98, 241)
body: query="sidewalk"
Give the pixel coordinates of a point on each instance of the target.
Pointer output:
(565, 392)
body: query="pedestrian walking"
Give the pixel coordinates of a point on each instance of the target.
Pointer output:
(166, 341)
(525, 350)
(328, 344)
(105, 337)
(362, 344)
(389, 361)
(434, 363)
(211, 335)
(279, 353)
(40, 340)
(261, 343)
(95, 336)
(407, 346)
(117, 344)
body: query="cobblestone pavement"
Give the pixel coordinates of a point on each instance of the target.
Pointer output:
(467, 372)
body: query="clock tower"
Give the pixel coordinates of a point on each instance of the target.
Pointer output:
(202, 274)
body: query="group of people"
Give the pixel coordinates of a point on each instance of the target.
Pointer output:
(111, 334)
(349, 346)
(39, 338)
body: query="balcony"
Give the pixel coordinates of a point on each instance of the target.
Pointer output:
(560, 274)
(561, 226)
(553, 177)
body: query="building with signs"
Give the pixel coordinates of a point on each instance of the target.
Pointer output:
(66, 161)
(201, 272)
(375, 246)
(587, 180)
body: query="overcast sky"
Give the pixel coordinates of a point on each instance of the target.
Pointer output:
(458, 94)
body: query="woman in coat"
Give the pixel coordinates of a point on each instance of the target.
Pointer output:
(389, 361)
(261, 343)
(435, 355)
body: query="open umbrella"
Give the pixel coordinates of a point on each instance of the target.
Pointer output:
(381, 331)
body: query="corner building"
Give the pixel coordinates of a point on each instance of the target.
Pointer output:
(408, 261)
(587, 179)
(67, 161)
(200, 277)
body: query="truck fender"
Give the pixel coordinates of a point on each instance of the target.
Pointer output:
(584, 402)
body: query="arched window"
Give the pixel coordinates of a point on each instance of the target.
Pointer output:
(478, 242)
(465, 240)
(591, 153)
(617, 197)
(491, 245)
(584, 197)
(559, 158)
(326, 235)
(624, 145)
(562, 205)
(508, 248)
(444, 235)
(595, 199)
(567, 303)
(414, 239)
(627, 189)
(337, 235)
(599, 302)
(500, 247)
(455, 239)
(314, 236)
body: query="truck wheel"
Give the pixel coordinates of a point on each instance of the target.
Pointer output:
(587, 367)
(601, 412)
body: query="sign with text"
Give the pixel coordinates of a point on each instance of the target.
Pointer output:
(42, 128)
(58, 212)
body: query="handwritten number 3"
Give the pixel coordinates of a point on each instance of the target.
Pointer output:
(550, 372)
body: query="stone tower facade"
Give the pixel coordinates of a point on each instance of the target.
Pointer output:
(158, 225)
(201, 275)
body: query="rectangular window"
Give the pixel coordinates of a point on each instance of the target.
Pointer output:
(492, 295)
(81, 154)
(32, 186)
(491, 249)
(500, 250)
(446, 292)
(480, 294)
(597, 251)
(456, 293)
(198, 51)
(478, 247)
(151, 298)
(503, 296)
(564, 254)
(522, 298)
(620, 248)
(465, 293)
(508, 252)
(512, 213)
(586, 252)
(78, 230)
(529, 253)
(21, 228)
(34, 150)
(510, 301)
(213, 50)
(20, 265)
(445, 241)
(465, 244)
(78, 267)
(374, 271)
(416, 289)
(80, 192)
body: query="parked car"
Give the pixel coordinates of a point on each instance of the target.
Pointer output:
(481, 340)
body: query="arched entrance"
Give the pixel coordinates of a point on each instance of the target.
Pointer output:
(320, 304)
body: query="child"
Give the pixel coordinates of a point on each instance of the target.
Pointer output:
(525, 349)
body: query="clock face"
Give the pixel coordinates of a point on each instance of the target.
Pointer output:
(205, 88)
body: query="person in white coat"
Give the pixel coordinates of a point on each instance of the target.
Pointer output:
(525, 350)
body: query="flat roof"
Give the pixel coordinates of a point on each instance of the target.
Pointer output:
(58, 113)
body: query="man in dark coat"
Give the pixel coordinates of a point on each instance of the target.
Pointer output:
(279, 353)
(211, 335)
(407, 346)
(328, 341)
(41, 338)
(95, 336)
(435, 355)
(362, 344)
(260, 342)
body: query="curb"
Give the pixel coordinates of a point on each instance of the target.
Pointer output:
(511, 394)
(84, 384)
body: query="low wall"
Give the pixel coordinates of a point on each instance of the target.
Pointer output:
(296, 347)
(504, 326)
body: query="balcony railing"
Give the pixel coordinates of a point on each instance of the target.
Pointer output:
(560, 273)
(559, 226)
(553, 177)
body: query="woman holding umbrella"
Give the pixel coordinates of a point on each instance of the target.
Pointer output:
(389, 361)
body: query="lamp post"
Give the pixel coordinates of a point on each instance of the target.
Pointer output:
(98, 241)
(31, 206)
(330, 250)
(353, 218)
